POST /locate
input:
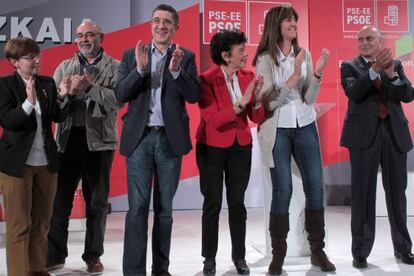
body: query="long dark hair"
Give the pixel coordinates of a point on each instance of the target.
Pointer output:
(272, 35)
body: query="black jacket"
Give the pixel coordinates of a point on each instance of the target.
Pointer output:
(361, 119)
(19, 129)
(135, 89)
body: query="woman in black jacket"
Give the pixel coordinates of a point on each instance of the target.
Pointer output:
(28, 158)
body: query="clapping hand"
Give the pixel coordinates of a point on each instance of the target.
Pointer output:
(64, 87)
(383, 60)
(141, 55)
(176, 59)
(31, 90)
(322, 62)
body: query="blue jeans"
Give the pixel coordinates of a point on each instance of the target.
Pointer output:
(303, 144)
(153, 158)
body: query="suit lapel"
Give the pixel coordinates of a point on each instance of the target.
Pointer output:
(42, 96)
(165, 73)
(362, 64)
(21, 88)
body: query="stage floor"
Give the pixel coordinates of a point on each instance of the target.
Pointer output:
(186, 248)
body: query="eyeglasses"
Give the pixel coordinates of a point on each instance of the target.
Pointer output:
(166, 22)
(86, 35)
(367, 38)
(31, 57)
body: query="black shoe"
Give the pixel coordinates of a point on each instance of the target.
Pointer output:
(360, 262)
(241, 267)
(51, 265)
(161, 273)
(405, 258)
(209, 267)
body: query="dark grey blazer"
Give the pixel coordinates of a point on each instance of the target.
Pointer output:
(361, 119)
(135, 89)
(19, 129)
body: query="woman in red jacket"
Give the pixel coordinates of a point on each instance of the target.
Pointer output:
(224, 143)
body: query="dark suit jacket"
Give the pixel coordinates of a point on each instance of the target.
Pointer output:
(361, 119)
(135, 89)
(220, 126)
(19, 129)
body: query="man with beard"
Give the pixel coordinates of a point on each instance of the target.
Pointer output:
(86, 142)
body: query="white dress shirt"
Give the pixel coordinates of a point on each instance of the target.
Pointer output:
(295, 112)
(37, 155)
(233, 86)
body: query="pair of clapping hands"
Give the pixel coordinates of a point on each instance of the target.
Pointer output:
(384, 63)
(141, 57)
(71, 85)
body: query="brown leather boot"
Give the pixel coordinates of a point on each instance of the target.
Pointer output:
(315, 226)
(279, 228)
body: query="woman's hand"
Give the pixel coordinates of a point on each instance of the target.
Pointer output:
(297, 70)
(322, 62)
(31, 90)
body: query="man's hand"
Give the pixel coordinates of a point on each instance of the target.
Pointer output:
(64, 87)
(176, 59)
(383, 60)
(80, 83)
(141, 56)
(31, 90)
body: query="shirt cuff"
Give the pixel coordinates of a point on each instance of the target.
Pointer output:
(176, 74)
(27, 107)
(373, 75)
(140, 72)
(62, 101)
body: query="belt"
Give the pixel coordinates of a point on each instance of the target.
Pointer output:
(155, 128)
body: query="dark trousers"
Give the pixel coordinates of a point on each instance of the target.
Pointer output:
(364, 165)
(93, 168)
(152, 159)
(234, 163)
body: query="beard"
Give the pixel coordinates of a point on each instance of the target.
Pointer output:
(88, 51)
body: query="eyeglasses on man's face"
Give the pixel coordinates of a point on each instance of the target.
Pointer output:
(166, 22)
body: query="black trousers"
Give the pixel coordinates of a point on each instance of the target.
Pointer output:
(364, 165)
(234, 164)
(93, 168)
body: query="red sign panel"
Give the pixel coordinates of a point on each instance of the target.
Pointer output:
(223, 15)
(357, 14)
(392, 16)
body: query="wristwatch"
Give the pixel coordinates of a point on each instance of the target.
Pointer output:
(319, 77)
(396, 77)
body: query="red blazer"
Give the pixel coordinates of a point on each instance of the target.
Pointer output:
(220, 126)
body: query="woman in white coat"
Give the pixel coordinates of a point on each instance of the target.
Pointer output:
(290, 89)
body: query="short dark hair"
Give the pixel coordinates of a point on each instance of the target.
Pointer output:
(168, 8)
(223, 41)
(18, 47)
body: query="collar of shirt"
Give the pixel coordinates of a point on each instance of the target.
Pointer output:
(231, 78)
(154, 49)
(283, 58)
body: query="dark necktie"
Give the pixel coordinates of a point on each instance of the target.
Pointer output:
(383, 110)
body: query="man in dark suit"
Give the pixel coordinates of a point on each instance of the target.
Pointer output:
(156, 80)
(376, 133)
